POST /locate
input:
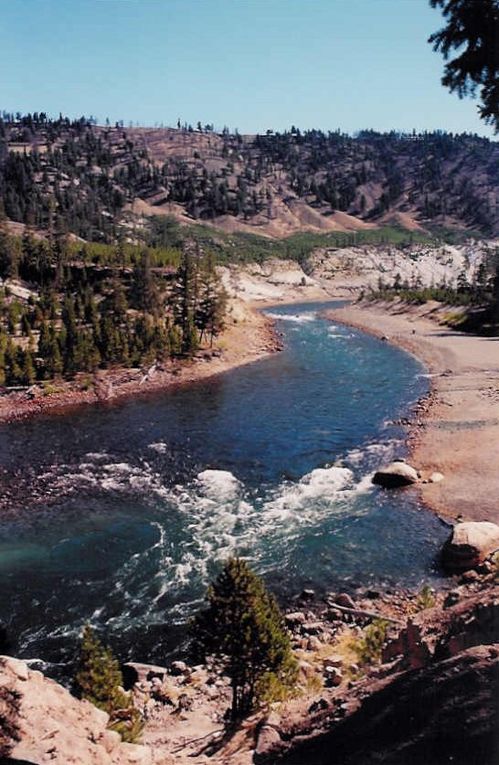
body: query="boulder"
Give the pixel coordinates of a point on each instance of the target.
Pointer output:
(469, 544)
(179, 668)
(333, 660)
(344, 599)
(313, 628)
(295, 619)
(333, 676)
(314, 644)
(306, 669)
(436, 477)
(307, 595)
(136, 672)
(268, 740)
(395, 474)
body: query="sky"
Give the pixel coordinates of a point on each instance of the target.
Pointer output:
(247, 64)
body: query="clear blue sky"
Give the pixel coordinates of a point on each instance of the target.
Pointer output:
(250, 64)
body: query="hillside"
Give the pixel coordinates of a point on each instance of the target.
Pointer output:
(96, 181)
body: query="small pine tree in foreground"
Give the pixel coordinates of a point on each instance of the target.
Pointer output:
(243, 628)
(99, 680)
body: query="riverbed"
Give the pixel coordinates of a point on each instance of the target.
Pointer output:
(120, 514)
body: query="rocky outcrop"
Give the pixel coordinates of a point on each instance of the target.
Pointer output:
(446, 712)
(55, 727)
(395, 474)
(440, 633)
(433, 700)
(137, 672)
(470, 544)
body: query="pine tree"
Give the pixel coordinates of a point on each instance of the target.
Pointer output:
(210, 311)
(98, 680)
(98, 677)
(145, 291)
(243, 627)
(28, 368)
(185, 297)
(471, 33)
(13, 369)
(3, 346)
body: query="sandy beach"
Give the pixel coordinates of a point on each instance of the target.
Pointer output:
(455, 431)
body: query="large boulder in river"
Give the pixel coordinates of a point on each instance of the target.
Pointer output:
(396, 474)
(470, 544)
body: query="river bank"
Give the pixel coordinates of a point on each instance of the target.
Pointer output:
(249, 336)
(455, 431)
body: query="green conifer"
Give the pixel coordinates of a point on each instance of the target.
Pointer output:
(243, 627)
(98, 680)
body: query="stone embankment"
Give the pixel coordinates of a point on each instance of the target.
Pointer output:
(431, 699)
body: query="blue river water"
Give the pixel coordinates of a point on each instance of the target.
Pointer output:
(119, 515)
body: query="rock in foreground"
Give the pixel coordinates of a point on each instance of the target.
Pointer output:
(470, 544)
(395, 475)
(55, 727)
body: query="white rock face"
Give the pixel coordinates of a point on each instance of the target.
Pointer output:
(426, 264)
(436, 477)
(396, 474)
(58, 728)
(470, 544)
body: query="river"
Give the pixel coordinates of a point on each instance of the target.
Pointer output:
(120, 514)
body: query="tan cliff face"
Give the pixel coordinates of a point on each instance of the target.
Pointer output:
(346, 271)
(58, 728)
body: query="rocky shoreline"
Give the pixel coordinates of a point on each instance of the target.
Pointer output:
(350, 691)
(412, 676)
(454, 430)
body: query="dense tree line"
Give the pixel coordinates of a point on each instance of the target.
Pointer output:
(75, 319)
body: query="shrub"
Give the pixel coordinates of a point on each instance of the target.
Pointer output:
(368, 647)
(426, 598)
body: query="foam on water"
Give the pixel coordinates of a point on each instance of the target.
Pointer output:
(149, 517)
(160, 447)
(296, 318)
(219, 485)
(221, 516)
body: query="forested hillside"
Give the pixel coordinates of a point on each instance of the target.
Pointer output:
(95, 181)
(62, 313)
